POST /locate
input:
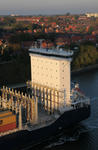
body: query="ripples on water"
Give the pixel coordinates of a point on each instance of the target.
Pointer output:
(63, 139)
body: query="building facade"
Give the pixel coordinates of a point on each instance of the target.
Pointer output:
(92, 14)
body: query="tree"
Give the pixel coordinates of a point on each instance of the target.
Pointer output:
(9, 20)
(19, 37)
(91, 29)
(36, 26)
(68, 14)
(86, 56)
(76, 17)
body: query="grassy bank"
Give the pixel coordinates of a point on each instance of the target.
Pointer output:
(85, 69)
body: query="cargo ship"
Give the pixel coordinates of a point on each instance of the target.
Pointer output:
(50, 104)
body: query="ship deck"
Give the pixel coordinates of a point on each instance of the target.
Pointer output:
(43, 118)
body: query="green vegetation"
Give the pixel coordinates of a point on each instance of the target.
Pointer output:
(17, 71)
(20, 37)
(87, 55)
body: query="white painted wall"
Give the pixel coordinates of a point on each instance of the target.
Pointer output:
(52, 72)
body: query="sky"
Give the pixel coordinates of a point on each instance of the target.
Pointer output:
(44, 7)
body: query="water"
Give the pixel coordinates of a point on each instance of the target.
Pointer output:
(85, 135)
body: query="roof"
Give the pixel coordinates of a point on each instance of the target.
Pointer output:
(51, 52)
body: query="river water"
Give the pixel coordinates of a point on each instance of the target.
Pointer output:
(85, 136)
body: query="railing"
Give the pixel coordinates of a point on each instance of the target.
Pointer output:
(58, 98)
(52, 51)
(81, 103)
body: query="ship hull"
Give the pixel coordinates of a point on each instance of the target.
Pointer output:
(25, 139)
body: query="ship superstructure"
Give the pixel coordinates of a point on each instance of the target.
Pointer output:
(50, 74)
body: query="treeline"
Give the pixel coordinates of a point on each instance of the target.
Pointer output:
(20, 37)
(87, 55)
(17, 71)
